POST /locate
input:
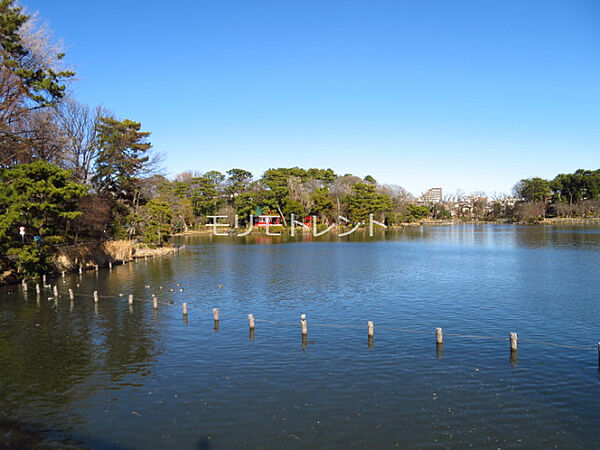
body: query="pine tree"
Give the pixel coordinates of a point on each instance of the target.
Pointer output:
(42, 198)
(122, 158)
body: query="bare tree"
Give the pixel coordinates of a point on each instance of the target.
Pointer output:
(44, 136)
(341, 187)
(96, 214)
(396, 193)
(564, 209)
(28, 85)
(459, 195)
(300, 192)
(530, 211)
(79, 123)
(187, 177)
(400, 197)
(498, 196)
(37, 38)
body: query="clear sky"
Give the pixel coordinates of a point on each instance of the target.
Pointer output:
(457, 94)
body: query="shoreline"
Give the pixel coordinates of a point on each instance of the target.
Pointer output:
(432, 222)
(92, 256)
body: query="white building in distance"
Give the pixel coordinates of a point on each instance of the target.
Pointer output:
(433, 195)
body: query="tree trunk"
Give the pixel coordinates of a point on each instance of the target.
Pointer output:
(282, 216)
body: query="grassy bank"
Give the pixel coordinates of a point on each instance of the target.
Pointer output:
(88, 255)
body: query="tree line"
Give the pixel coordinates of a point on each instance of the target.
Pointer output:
(282, 192)
(574, 194)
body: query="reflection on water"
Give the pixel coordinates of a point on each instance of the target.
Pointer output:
(486, 235)
(114, 374)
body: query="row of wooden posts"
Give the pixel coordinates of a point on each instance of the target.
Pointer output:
(439, 336)
(63, 273)
(80, 270)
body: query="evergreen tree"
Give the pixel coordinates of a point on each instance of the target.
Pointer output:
(206, 193)
(42, 198)
(322, 202)
(414, 212)
(122, 158)
(237, 183)
(365, 200)
(532, 189)
(157, 217)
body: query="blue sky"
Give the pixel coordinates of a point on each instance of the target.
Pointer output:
(459, 94)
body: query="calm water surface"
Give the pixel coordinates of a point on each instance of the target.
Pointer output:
(110, 376)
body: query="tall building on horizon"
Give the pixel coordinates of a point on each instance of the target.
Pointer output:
(433, 195)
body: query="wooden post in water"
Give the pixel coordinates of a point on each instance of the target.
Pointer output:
(96, 267)
(303, 325)
(63, 273)
(131, 299)
(71, 296)
(44, 280)
(251, 321)
(55, 290)
(80, 270)
(37, 289)
(154, 302)
(95, 296)
(216, 314)
(439, 336)
(109, 266)
(370, 327)
(184, 307)
(513, 342)
(24, 283)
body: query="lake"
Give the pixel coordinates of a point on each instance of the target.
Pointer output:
(110, 375)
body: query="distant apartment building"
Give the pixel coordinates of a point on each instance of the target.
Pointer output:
(433, 195)
(477, 207)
